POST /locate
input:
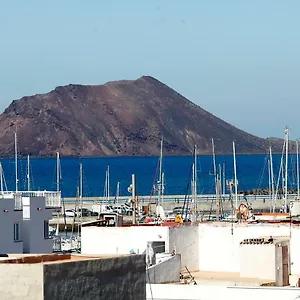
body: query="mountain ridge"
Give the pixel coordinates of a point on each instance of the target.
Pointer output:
(119, 118)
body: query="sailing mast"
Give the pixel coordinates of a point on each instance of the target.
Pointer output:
(80, 194)
(286, 168)
(297, 150)
(1, 179)
(194, 184)
(28, 173)
(118, 192)
(224, 180)
(57, 172)
(160, 185)
(57, 187)
(272, 177)
(107, 184)
(235, 179)
(16, 162)
(215, 167)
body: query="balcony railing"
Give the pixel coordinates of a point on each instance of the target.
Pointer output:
(52, 199)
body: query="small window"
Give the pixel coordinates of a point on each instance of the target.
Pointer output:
(46, 229)
(16, 232)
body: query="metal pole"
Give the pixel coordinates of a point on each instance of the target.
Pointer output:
(1, 169)
(28, 174)
(57, 171)
(286, 167)
(16, 161)
(298, 187)
(235, 179)
(272, 177)
(133, 200)
(80, 196)
(108, 184)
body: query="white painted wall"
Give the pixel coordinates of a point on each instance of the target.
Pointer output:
(7, 220)
(258, 261)
(21, 281)
(218, 292)
(184, 240)
(120, 240)
(33, 228)
(295, 250)
(219, 245)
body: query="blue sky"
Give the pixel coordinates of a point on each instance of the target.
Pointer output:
(240, 60)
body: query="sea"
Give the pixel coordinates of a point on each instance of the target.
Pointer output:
(252, 173)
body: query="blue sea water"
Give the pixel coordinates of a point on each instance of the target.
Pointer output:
(252, 172)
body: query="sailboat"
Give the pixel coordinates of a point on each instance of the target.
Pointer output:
(160, 213)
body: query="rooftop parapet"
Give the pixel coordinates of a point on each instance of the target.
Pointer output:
(52, 198)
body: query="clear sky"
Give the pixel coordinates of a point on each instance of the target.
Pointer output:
(240, 60)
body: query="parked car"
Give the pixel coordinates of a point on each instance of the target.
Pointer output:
(70, 213)
(85, 212)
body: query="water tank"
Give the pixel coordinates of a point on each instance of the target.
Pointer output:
(295, 207)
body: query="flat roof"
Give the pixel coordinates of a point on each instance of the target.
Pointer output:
(226, 278)
(51, 258)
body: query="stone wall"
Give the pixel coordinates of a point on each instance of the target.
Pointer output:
(122, 278)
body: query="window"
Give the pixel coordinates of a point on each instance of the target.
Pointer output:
(46, 229)
(16, 232)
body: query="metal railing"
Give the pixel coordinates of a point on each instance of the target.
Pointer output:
(52, 199)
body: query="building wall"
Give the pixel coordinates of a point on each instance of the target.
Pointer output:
(122, 278)
(33, 233)
(120, 240)
(184, 240)
(7, 220)
(219, 243)
(21, 281)
(222, 292)
(258, 261)
(165, 272)
(295, 250)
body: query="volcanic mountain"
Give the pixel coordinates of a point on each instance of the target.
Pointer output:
(126, 117)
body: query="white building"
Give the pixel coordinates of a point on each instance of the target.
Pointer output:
(208, 247)
(24, 221)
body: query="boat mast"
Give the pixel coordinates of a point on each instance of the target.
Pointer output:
(215, 167)
(194, 184)
(1, 179)
(57, 172)
(195, 181)
(160, 187)
(272, 176)
(224, 180)
(108, 184)
(286, 167)
(118, 192)
(235, 179)
(298, 186)
(269, 184)
(80, 194)
(28, 173)
(16, 162)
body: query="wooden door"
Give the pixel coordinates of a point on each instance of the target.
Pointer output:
(285, 266)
